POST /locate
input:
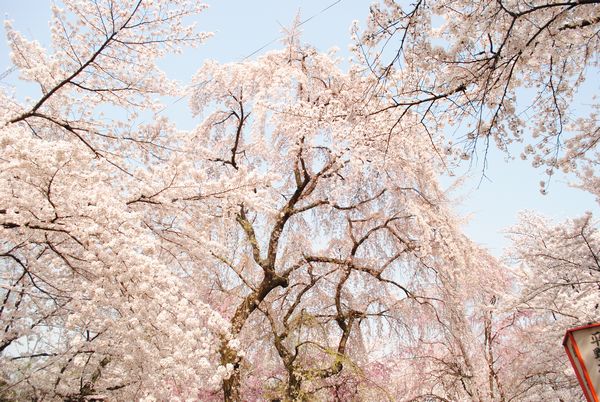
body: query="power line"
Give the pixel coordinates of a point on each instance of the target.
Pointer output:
(257, 51)
(299, 25)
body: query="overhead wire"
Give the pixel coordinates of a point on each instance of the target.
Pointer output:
(256, 51)
(299, 25)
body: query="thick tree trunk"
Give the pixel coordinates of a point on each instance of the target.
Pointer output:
(231, 385)
(231, 388)
(293, 388)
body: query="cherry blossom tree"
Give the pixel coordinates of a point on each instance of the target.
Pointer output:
(559, 283)
(124, 246)
(499, 73)
(494, 71)
(92, 301)
(296, 244)
(345, 237)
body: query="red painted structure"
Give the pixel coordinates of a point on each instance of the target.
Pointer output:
(582, 345)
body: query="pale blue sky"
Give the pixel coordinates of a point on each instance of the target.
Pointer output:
(241, 27)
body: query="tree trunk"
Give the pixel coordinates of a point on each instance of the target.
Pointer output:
(231, 388)
(231, 385)
(293, 388)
